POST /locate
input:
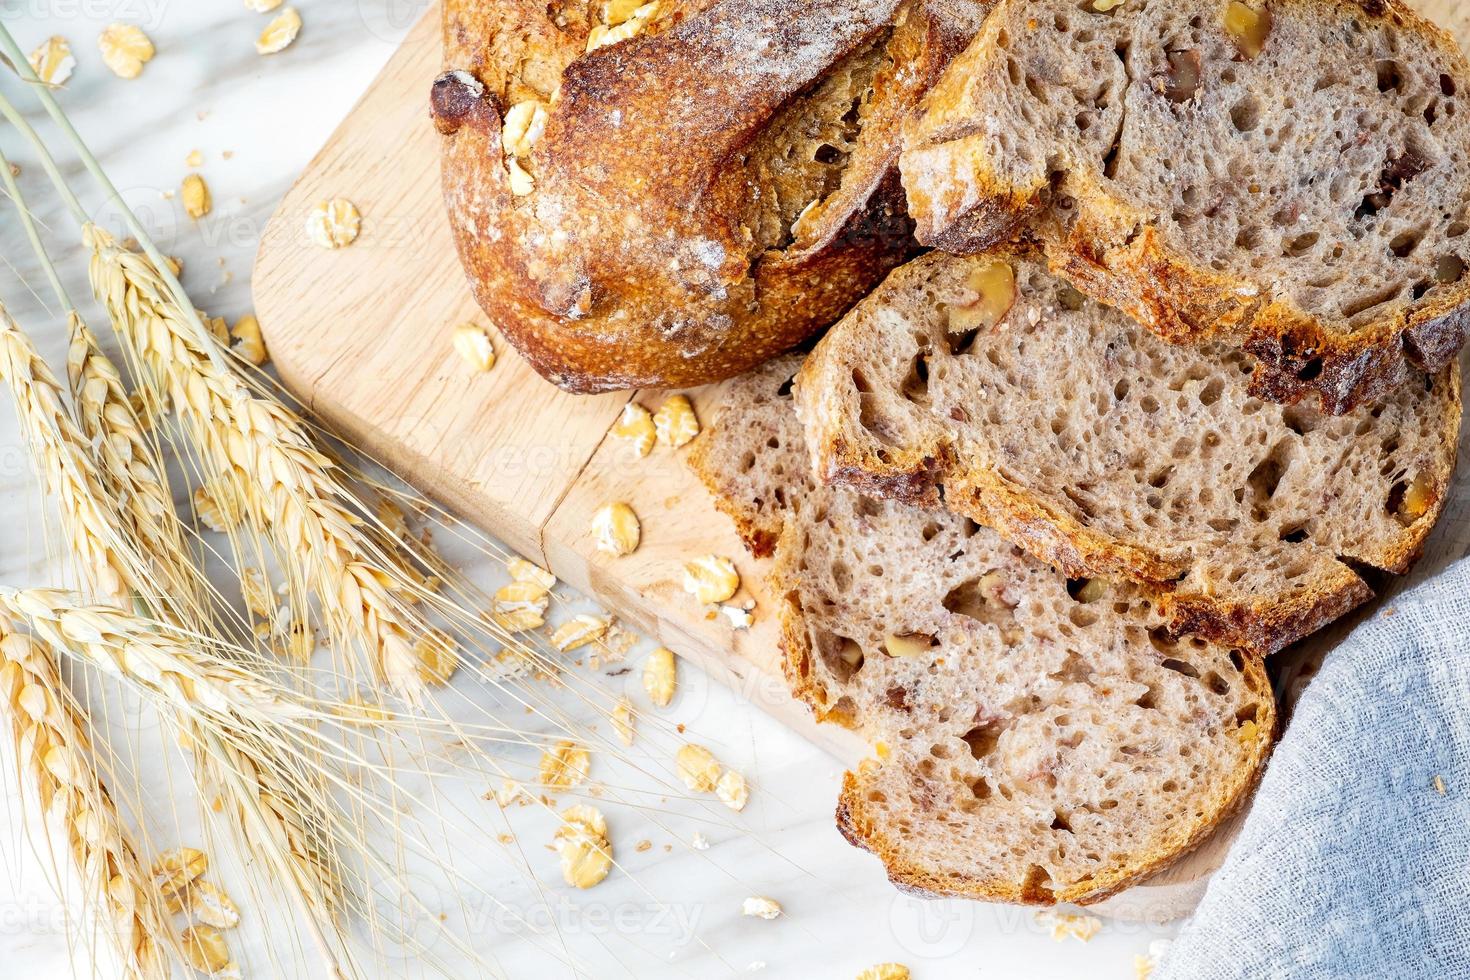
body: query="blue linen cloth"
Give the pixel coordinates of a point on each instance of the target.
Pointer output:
(1354, 861)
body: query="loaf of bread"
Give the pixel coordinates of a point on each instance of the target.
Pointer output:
(1290, 177)
(1035, 743)
(990, 384)
(668, 193)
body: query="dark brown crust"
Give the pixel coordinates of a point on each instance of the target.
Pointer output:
(628, 265)
(934, 883)
(1118, 259)
(1296, 358)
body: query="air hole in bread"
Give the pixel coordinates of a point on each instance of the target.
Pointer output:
(915, 385)
(1295, 534)
(1404, 243)
(1179, 666)
(1037, 886)
(1296, 247)
(1390, 76)
(983, 739)
(1450, 270)
(1060, 821)
(1369, 302)
(1246, 114)
(1088, 510)
(840, 654)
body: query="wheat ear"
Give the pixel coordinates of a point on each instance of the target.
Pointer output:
(52, 746)
(263, 456)
(66, 470)
(131, 469)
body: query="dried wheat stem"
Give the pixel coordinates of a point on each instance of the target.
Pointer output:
(262, 456)
(51, 744)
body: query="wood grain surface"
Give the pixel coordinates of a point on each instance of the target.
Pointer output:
(361, 335)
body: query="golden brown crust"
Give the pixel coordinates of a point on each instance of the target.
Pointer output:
(631, 263)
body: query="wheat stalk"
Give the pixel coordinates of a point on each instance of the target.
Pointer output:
(261, 454)
(131, 469)
(64, 466)
(52, 746)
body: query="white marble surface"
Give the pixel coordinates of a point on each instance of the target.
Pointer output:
(673, 913)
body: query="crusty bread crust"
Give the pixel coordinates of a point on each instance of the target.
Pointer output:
(927, 470)
(633, 261)
(1115, 253)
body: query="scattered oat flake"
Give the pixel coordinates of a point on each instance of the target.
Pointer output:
(711, 579)
(616, 530)
(732, 791)
(53, 61)
(174, 869)
(660, 676)
(522, 570)
(760, 907)
(125, 49)
(622, 721)
(248, 342)
(675, 423)
(212, 906)
(579, 631)
(699, 842)
(635, 427)
(582, 844)
(334, 224)
(263, 6)
(194, 159)
(697, 767)
(564, 765)
(1439, 785)
(739, 618)
(1144, 965)
(472, 343)
(279, 33)
(198, 202)
(643, 845)
(1069, 924)
(885, 971)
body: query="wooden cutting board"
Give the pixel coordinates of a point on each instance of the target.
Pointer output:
(361, 335)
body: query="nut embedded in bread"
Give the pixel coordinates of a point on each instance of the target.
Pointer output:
(1288, 176)
(669, 193)
(1037, 742)
(990, 383)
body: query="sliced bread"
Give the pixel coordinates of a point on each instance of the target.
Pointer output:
(752, 458)
(991, 384)
(1036, 743)
(1292, 177)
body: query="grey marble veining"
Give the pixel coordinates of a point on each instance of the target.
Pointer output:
(676, 911)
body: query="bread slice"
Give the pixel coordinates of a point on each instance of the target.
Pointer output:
(1034, 745)
(992, 384)
(1291, 177)
(678, 193)
(752, 458)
